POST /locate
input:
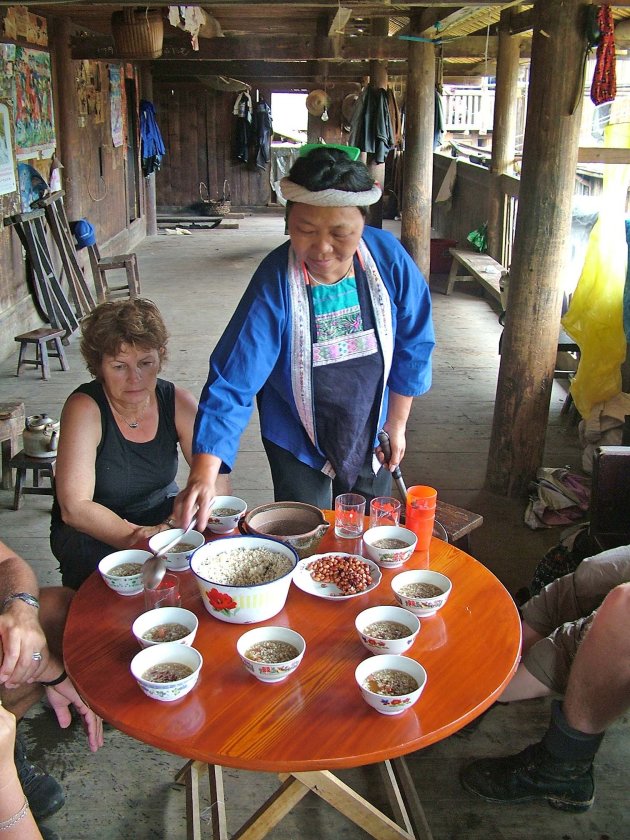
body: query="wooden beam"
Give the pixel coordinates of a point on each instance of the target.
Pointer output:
(597, 154)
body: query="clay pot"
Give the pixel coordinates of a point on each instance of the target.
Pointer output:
(297, 524)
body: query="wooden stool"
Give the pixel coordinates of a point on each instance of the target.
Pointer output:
(40, 466)
(101, 265)
(41, 338)
(458, 523)
(12, 419)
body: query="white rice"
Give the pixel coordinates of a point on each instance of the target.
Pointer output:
(245, 566)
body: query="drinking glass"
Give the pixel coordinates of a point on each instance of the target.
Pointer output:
(384, 510)
(165, 595)
(349, 513)
(420, 513)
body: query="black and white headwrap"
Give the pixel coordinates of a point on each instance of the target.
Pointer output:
(328, 198)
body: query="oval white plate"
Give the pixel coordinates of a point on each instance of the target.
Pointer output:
(303, 580)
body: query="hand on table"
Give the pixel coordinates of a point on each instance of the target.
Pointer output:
(21, 636)
(64, 695)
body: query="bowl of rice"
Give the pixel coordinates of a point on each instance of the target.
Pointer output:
(390, 684)
(166, 672)
(177, 558)
(166, 624)
(243, 580)
(421, 591)
(271, 653)
(122, 570)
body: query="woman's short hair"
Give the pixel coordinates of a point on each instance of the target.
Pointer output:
(110, 325)
(329, 168)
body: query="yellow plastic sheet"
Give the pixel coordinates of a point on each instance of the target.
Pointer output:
(595, 317)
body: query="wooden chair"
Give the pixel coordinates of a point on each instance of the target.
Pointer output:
(120, 262)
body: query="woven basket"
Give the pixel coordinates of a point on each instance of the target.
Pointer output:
(219, 207)
(138, 34)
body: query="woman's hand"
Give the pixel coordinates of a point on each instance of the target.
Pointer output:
(61, 697)
(21, 636)
(197, 497)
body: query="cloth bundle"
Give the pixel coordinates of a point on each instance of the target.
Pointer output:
(557, 497)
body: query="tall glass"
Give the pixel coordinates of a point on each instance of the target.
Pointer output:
(420, 513)
(349, 513)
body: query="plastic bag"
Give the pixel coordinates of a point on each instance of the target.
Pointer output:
(595, 316)
(479, 238)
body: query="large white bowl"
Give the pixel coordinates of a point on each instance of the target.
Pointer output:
(389, 558)
(165, 615)
(177, 561)
(384, 703)
(245, 604)
(168, 652)
(130, 584)
(394, 646)
(223, 524)
(424, 607)
(270, 672)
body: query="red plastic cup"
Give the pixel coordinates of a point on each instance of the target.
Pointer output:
(420, 513)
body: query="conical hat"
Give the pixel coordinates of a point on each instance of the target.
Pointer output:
(316, 102)
(348, 106)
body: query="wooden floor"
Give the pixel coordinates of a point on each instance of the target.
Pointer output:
(127, 790)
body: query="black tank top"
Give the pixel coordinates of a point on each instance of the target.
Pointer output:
(133, 478)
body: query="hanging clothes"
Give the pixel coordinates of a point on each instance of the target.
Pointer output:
(373, 132)
(263, 128)
(243, 129)
(152, 147)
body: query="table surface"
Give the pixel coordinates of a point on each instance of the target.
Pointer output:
(316, 719)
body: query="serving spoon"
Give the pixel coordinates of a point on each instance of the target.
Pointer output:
(154, 569)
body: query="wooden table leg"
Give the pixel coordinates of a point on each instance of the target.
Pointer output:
(217, 802)
(272, 811)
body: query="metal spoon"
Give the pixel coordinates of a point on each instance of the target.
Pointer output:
(154, 569)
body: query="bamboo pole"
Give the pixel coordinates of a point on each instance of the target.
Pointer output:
(540, 247)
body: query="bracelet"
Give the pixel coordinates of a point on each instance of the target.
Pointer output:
(63, 676)
(170, 522)
(29, 599)
(5, 825)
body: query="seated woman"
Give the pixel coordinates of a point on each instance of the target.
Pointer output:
(117, 457)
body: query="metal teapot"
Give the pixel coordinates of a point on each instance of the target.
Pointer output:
(41, 436)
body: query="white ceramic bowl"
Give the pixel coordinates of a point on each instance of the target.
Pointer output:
(130, 584)
(177, 561)
(394, 646)
(389, 558)
(165, 615)
(384, 703)
(159, 654)
(242, 604)
(270, 672)
(224, 523)
(419, 605)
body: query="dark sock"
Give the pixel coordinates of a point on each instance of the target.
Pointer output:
(566, 743)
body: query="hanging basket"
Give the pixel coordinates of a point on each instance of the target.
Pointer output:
(220, 207)
(138, 34)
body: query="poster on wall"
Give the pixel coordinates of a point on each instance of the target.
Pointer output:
(8, 183)
(34, 124)
(115, 101)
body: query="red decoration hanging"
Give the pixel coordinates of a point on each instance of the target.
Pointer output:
(604, 85)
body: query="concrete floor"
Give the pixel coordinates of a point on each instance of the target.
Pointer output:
(127, 789)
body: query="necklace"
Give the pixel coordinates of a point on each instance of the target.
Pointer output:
(315, 282)
(133, 424)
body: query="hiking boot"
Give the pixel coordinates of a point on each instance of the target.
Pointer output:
(44, 793)
(531, 775)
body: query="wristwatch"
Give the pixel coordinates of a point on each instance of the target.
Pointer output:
(31, 600)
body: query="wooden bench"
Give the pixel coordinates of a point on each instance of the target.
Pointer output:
(41, 467)
(458, 523)
(42, 338)
(480, 267)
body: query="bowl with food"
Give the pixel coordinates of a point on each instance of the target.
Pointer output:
(390, 684)
(225, 514)
(166, 624)
(421, 591)
(177, 558)
(389, 545)
(297, 524)
(122, 570)
(271, 653)
(167, 672)
(387, 629)
(243, 580)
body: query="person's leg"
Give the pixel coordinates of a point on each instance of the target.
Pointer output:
(368, 483)
(560, 767)
(294, 481)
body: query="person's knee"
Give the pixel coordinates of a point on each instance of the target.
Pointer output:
(616, 605)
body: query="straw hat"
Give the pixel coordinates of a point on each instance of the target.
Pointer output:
(348, 106)
(316, 102)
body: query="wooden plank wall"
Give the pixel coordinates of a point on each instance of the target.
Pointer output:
(197, 125)
(468, 208)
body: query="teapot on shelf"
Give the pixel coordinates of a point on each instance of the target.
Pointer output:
(41, 436)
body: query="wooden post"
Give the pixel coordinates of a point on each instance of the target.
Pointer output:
(378, 80)
(68, 138)
(418, 162)
(503, 129)
(150, 201)
(540, 247)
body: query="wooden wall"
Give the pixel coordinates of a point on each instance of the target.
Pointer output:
(468, 208)
(197, 125)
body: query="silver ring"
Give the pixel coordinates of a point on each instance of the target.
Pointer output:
(37, 656)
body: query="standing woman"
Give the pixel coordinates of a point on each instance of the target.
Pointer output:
(117, 456)
(333, 337)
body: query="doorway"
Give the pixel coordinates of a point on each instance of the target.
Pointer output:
(133, 166)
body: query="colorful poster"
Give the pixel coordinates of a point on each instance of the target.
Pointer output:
(8, 183)
(34, 124)
(115, 101)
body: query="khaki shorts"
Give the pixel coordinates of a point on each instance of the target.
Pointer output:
(563, 612)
